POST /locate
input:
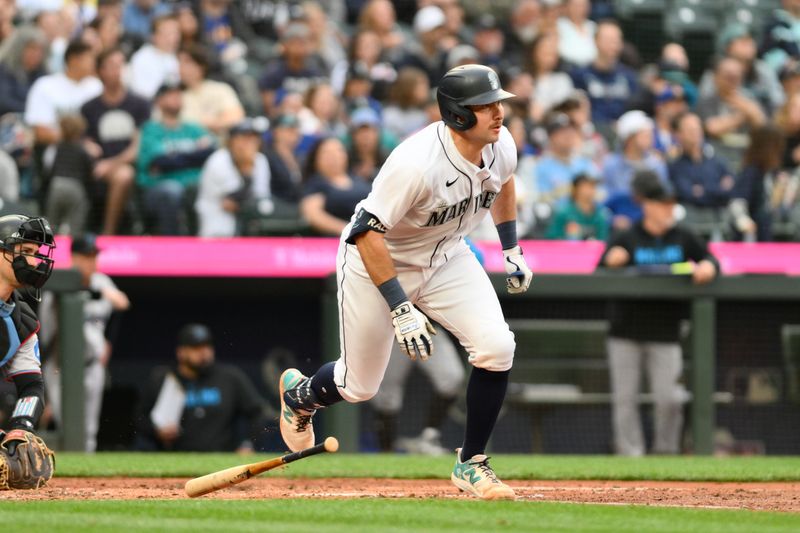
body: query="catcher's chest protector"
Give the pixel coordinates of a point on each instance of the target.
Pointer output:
(17, 325)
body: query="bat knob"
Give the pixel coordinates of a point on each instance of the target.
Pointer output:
(331, 444)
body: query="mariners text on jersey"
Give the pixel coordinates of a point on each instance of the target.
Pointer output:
(428, 196)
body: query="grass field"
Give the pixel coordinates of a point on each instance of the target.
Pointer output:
(396, 515)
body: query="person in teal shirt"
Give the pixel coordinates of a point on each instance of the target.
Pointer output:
(171, 155)
(581, 217)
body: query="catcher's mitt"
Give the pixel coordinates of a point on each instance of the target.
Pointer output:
(25, 461)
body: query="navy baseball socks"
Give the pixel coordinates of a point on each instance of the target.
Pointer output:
(300, 398)
(485, 394)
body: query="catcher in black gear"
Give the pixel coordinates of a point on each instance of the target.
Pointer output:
(26, 245)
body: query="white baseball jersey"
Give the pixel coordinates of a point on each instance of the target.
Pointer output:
(429, 197)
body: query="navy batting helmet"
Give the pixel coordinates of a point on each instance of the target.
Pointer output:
(20, 229)
(464, 86)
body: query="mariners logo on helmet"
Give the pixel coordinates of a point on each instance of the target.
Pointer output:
(465, 86)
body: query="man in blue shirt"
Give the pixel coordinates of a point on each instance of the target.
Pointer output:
(561, 162)
(608, 83)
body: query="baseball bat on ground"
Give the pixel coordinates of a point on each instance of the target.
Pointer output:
(231, 476)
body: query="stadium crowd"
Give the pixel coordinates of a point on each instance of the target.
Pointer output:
(221, 118)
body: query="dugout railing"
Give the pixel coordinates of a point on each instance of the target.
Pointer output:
(344, 420)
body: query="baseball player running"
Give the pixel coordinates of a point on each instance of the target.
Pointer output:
(403, 259)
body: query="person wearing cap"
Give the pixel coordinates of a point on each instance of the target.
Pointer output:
(579, 110)
(284, 163)
(156, 62)
(635, 136)
(645, 334)
(561, 160)
(608, 82)
(197, 404)
(296, 69)
(668, 103)
(427, 51)
(234, 182)
(581, 218)
(729, 111)
(101, 315)
(171, 154)
(369, 145)
(489, 40)
(114, 120)
(760, 81)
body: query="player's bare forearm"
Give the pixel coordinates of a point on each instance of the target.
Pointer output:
(375, 256)
(504, 207)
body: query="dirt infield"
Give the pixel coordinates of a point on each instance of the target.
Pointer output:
(755, 496)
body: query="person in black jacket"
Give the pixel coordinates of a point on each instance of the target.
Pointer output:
(197, 404)
(646, 333)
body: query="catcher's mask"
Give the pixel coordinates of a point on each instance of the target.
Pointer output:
(20, 229)
(464, 86)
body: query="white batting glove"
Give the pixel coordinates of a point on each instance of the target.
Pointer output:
(519, 275)
(413, 331)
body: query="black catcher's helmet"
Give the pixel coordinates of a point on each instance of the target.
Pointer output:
(467, 85)
(19, 229)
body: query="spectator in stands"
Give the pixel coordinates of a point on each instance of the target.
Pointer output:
(296, 70)
(327, 40)
(330, 194)
(404, 115)
(218, 401)
(760, 81)
(702, 181)
(108, 33)
(579, 110)
(365, 58)
(357, 90)
(114, 120)
(728, 112)
(99, 332)
(21, 64)
(581, 218)
(138, 16)
(321, 112)
(369, 147)
(673, 67)
(561, 162)
(426, 51)
(379, 16)
(57, 94)
(646, 333)
(171, 153)
(489, 41)
(752, 218)
(58, 33)
(234, 182)
(780, 43)
(609, 83)
(788, 120)
(156, 62)
(635, 136)
(523, 27)
(71, 181)
(226, 32)
(576, 42)
(669, 102)
(212, 104)
(285, 167)
(551, 86)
